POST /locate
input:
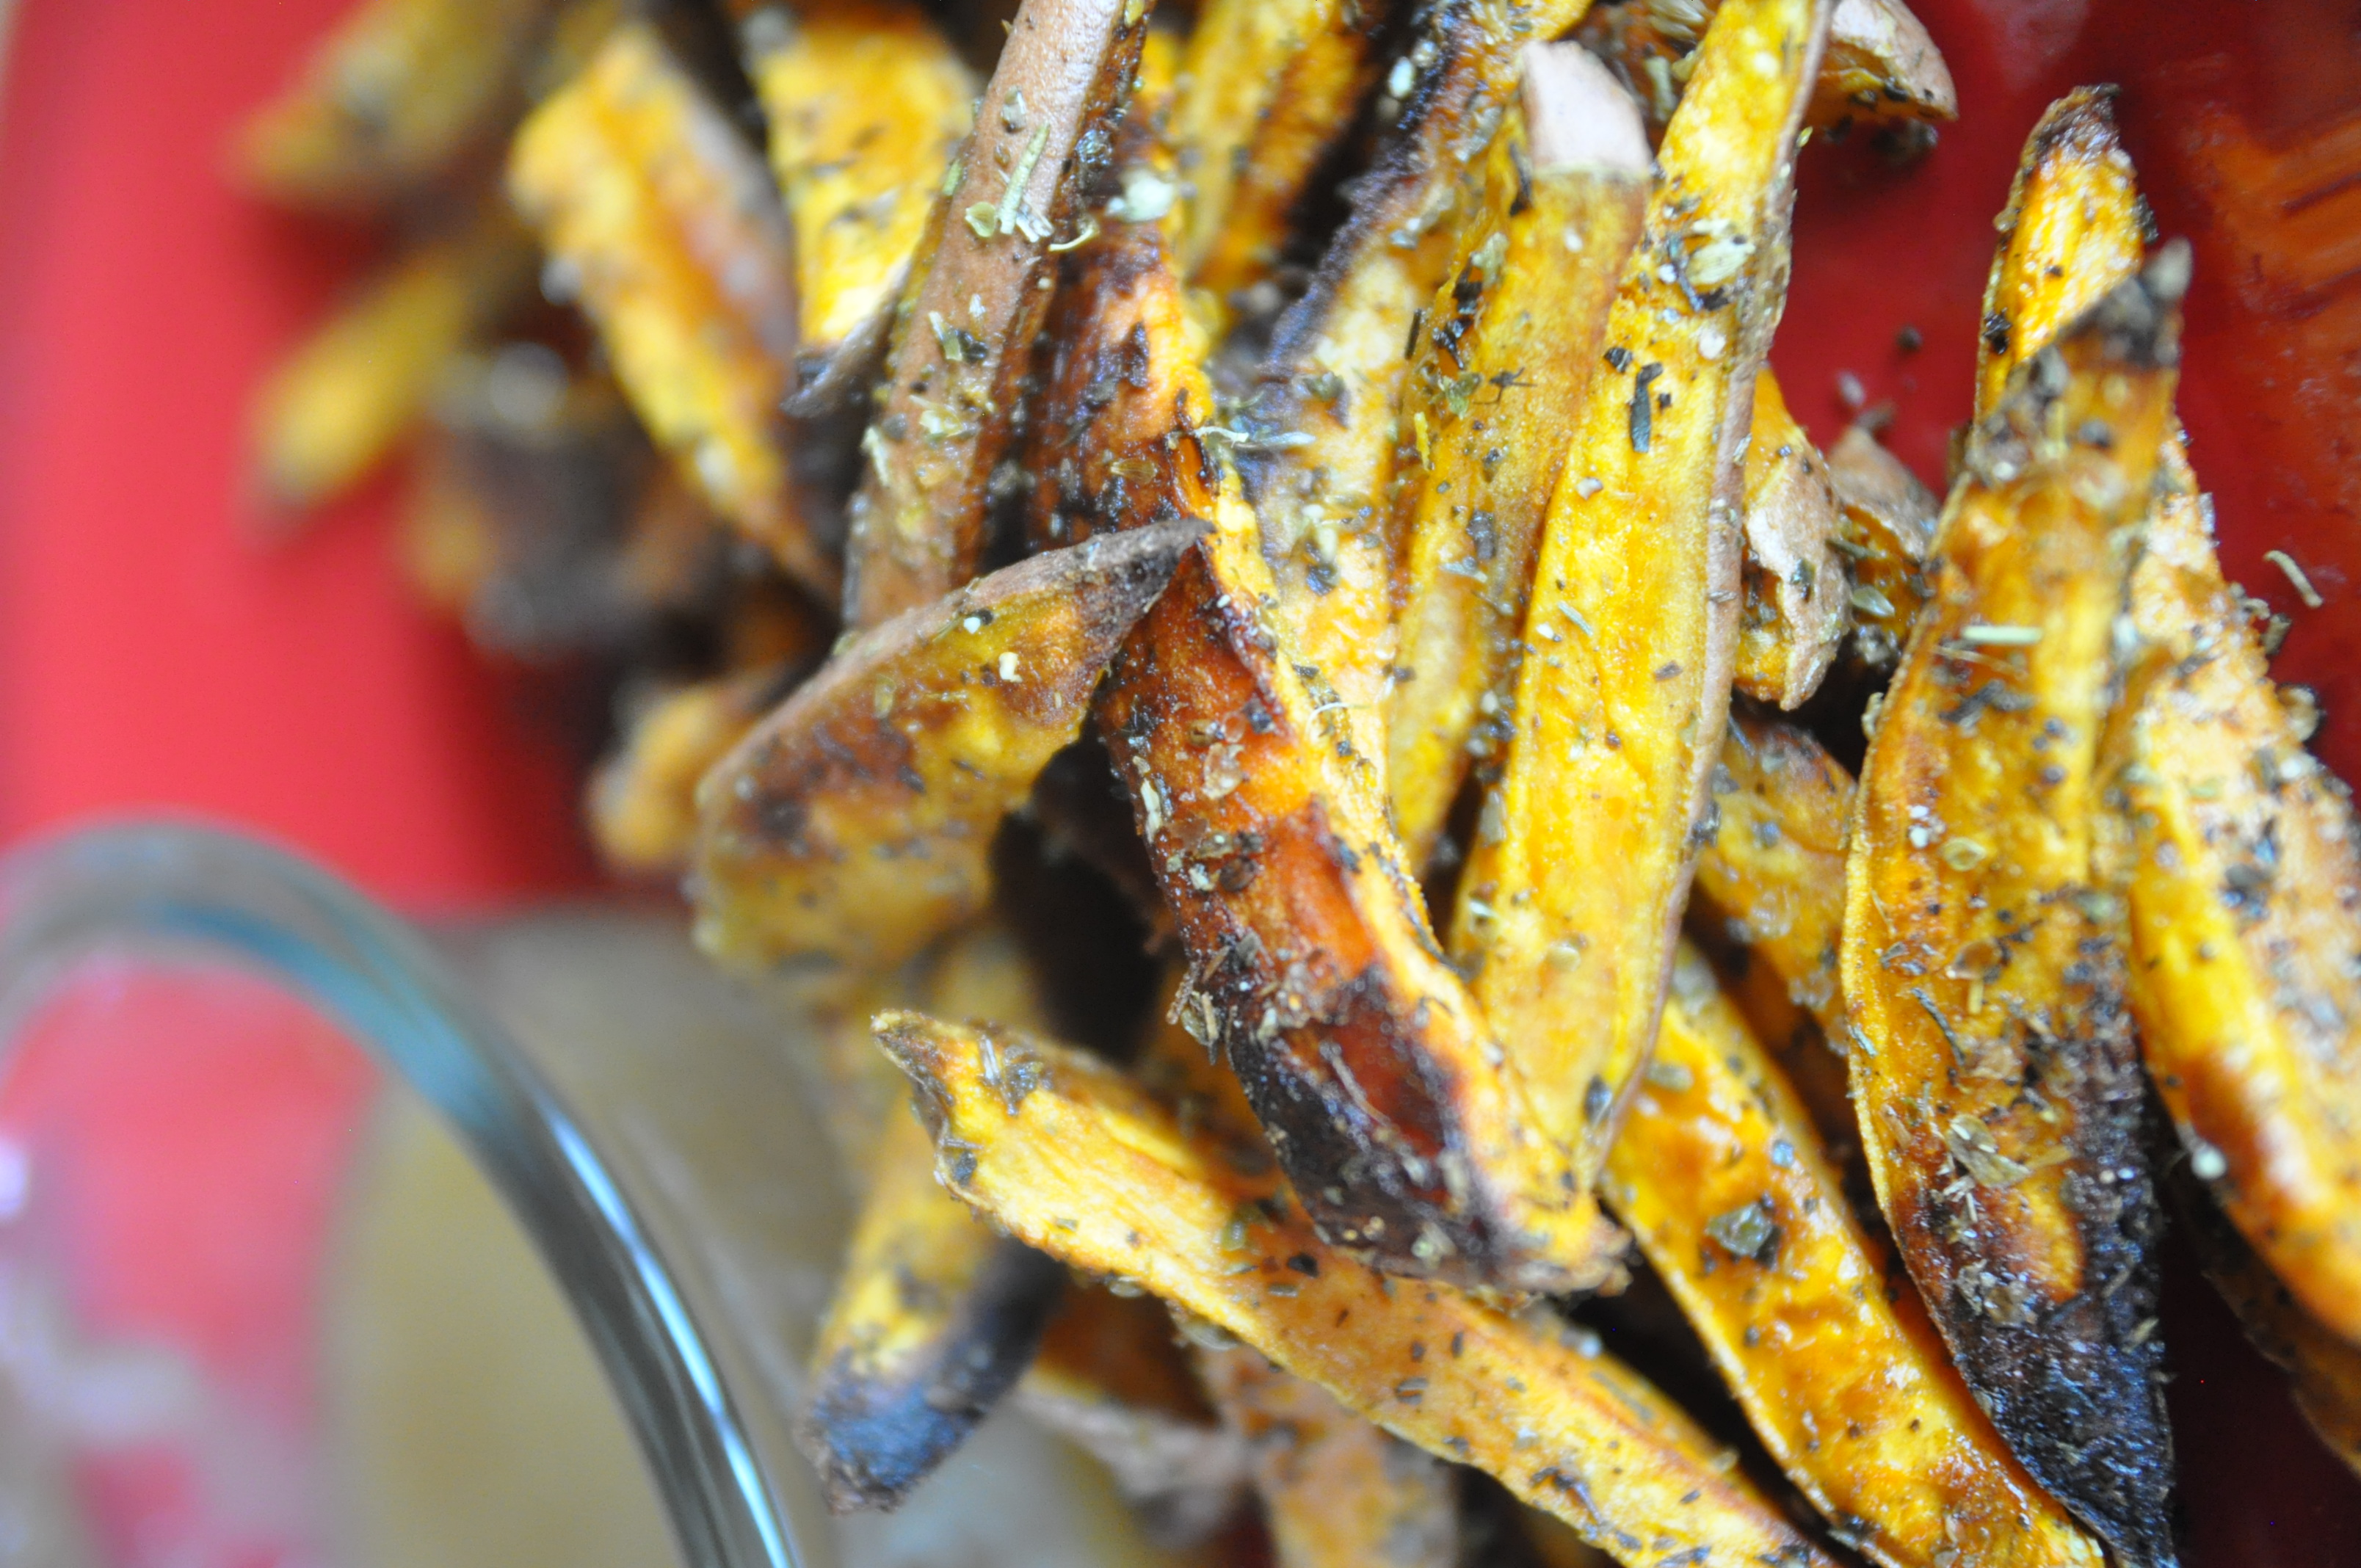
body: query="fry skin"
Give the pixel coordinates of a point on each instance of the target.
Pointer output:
(1792, 617)
(867, 102)
(345, 398)
(855, 823)
(1075, 1158)
(2242, 867)
(975, 299)
(1337, 1492)
(662, 224)
(1886, 528)
(1323, 437)
(1501, 367)
(1720, 1177)
(1621, 699)
(1268, 86)
(1992, 1061)
(395, 95)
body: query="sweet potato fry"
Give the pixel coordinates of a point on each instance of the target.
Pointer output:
(1111, 1378)
(1267, 85)
(1792, 615)
(642, 801)
(1322, 435)
(1880, 65)
(397, 93)
(1992, 1060)
(1773, 872)
(661, 223)
(1719, 1175)
(867, 102)
(974, 303)
(357, 386)
(1621, 699)
(1501, 365)
(855, 823)
(2243, 868)
(935, 1316)
(1073, 1158)
(2323, 1368)
(1337, 1492)
(1886, 526)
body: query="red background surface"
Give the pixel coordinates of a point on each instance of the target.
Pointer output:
(150, 655)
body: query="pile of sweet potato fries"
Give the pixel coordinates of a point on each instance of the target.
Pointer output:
(1294, 487)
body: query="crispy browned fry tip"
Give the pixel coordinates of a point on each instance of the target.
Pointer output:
(1502, 363)
(855, 823)
(978, 291)
(1337, 1492)
(867, 103)
(662, 224)
(358, 384)
(1722, 1178)
(1881, 65)
(1794, 611)
(1625, 684)
(400, 91)
(1113, 1378)
(1072, 1156)
(1885, 528)
(1993, 1059)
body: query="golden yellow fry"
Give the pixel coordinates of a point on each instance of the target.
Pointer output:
(1880, 65)
(867, 102)
(1572, 896)
(1111, 1378)
(1721, 1178)
(393, 98)
(1993, 1062)
(855, 823)
(1794, 613)
(1267, 86)
(935, 1316)
(2242, 866)
(978, 291)
(661, 223)
(1075, 1158)
(1323, 436)
(1773, 872)
(1886, 526)
(350, 394)
(1337, 1491)
(1502, 363)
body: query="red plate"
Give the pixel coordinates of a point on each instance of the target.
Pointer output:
(147, 655)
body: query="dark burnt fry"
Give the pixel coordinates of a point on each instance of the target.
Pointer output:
(855, 823)
(1625, 684)
(1076, 1158)
(1793, 614)
(867, 103)
(1742, 1213)
(976, 297)
(662, 224)
(1268, 86)
(398, 93)
(1993, 1059)
(1886, 526)
(1879, 66)
(1337, 1491)
(1321, 435)
(1502, 364)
